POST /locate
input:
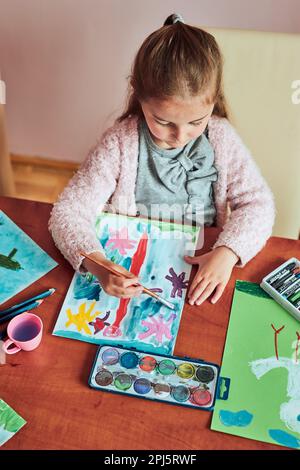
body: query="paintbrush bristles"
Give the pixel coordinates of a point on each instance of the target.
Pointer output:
(165, 302)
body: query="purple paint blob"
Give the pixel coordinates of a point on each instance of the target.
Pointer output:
(178, 282)
(110, 356)
(26, 331)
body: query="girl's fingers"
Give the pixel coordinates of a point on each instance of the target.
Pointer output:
(126, 293)
(130, 282)
(205, 294)
(192, 259)
(123, 283)
(219, 291)
(198, 290)
(135, 290)
(196, 281)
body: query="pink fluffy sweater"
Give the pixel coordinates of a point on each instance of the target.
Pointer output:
(244, 203)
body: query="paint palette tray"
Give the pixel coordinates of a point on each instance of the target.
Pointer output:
(169, 379)
(283, 284)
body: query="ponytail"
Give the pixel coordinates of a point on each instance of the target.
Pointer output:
(176, 60)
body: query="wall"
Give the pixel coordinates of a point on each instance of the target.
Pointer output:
(65, 62)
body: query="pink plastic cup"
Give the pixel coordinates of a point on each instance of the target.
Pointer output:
(25, 332)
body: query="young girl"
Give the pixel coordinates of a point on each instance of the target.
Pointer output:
(173, 145)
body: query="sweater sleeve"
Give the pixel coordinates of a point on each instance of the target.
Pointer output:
(73, 216)
(250, 201)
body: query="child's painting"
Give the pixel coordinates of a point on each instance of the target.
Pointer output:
(151, 250)
(22, 261)
(10, 422)
(262, 359)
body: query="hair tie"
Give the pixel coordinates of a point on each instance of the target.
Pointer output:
(174, 18)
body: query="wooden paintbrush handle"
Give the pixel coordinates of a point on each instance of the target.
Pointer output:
(126, 274)
(108, 267)
(118, 273)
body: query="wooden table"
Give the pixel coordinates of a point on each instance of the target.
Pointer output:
(49, 386)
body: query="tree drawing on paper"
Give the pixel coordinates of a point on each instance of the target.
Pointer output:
(7, 262)
(276, 333)
(261, 357)
(297, 347)
(22, 261)
(289, 411)
(152, 251)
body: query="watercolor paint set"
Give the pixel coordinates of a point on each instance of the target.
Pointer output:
(283, 284)
(168, 379)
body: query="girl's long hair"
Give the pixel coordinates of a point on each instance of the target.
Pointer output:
(176, 60)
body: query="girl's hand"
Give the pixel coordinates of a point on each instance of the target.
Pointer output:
(112, 284)
(213, 273)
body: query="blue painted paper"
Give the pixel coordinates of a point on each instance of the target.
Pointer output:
(89, 314)
(22, 261)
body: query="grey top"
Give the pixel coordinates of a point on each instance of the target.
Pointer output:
(176, 184)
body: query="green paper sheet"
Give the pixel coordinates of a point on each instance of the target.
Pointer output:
(264, 368)
(10, 422)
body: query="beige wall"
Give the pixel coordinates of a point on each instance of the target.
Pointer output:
(65, 62)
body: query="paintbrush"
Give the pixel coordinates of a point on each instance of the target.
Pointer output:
(128, 276)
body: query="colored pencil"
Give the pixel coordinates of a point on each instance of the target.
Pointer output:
(40, 296)
(3, 334)
(117, 273)
(23, 309)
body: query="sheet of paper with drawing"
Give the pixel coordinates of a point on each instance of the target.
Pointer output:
(261, 357)
(22, 261)
(150, 249)
(10, 422)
